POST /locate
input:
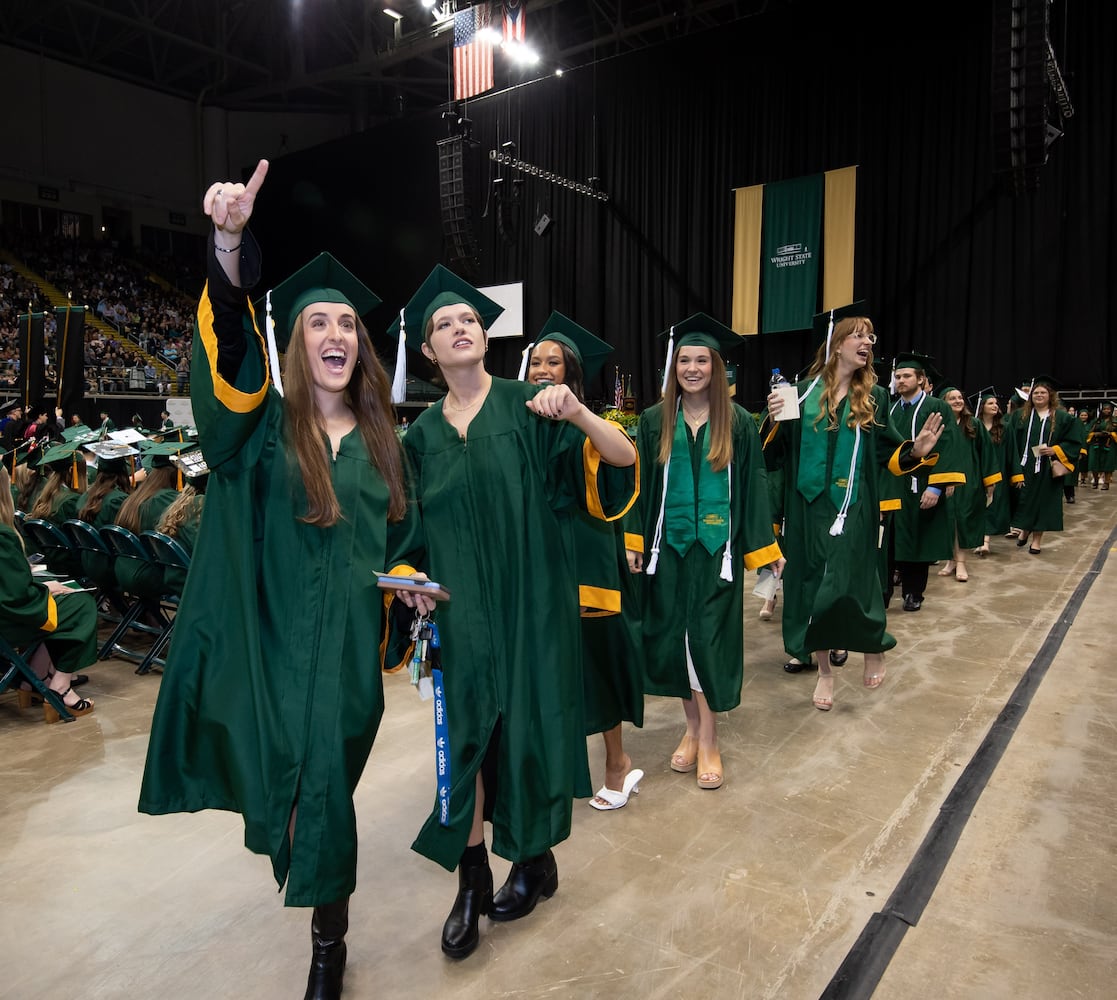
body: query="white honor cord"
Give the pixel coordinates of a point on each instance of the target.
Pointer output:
(840, 521)
(727, 554)
(657, 537)
(273, 350)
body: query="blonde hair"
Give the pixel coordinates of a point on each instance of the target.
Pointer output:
(719, 422)
(7, 504)
(862, 409)
(369, 397)
(180, 511)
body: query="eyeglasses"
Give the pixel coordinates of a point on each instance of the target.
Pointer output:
(862, 335)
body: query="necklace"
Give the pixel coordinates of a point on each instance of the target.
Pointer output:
(695, 418)
(462, 409)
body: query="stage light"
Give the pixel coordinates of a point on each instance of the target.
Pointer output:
(394, 14)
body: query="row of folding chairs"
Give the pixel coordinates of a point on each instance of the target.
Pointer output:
(132, 615)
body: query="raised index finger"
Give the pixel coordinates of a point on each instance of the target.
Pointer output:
(256, 181)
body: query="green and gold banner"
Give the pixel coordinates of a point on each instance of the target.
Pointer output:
(790, 254)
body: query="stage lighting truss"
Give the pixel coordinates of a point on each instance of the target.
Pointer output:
(587, 190)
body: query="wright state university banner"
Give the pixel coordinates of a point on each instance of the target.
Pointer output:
(777, 250)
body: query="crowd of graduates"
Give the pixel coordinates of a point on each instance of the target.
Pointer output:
(328, 535)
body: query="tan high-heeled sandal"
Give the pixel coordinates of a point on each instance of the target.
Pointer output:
(51, 714)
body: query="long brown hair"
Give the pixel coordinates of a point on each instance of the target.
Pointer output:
(7, 504)
(28, 478)
(131, 511)
(997, 425)
(102, 486)
(369, 397)
(862, 409)
(57, 483)
(719, 422)
(1052, 404)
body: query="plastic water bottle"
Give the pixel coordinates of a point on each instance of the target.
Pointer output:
(778, 384)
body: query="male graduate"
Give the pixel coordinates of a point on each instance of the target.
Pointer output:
(921, 528)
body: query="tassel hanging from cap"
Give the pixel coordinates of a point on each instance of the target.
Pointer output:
(399, 378)
(524, 362)
(273, 349)
(667, 360)
(829, 334)
(74, 474)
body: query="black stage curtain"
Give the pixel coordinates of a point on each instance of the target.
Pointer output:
(32, 369)
(996, 286)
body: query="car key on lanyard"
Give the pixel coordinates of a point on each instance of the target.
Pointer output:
(424, 635)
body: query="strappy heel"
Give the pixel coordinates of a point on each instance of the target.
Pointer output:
(83, 707)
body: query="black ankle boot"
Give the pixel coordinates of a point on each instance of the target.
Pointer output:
(327, 964)
(527, 881)
(475, 898)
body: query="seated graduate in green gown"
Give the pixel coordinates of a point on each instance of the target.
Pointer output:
(494, 464)
(60, 497)
(273, 693)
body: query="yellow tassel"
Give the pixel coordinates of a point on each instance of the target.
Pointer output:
(74, 475)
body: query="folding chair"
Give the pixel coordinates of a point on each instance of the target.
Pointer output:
(168, 553)
(125, 544)
(87, 539)
(15, 668)
(48, 539)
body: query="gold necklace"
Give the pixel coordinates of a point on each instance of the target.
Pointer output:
(695, 418)
(462, 409)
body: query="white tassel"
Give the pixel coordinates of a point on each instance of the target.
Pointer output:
(727, 564)
(399, 379)
(524, 358)
(667, 360)
(829, 334)
(273, 349)
(653, 562)
(839, 525)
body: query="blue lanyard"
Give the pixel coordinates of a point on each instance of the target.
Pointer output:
(441, 735)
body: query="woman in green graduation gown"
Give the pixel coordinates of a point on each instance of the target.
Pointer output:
(272, 693)
(1043, 446)
(141, 512)
(967, 504)
(65, 620)
(60, 498)
(703, 522)
(566, 353)
(996, 513)
(1102, 439)
(832, 458)
(102, 502)
(494, 462)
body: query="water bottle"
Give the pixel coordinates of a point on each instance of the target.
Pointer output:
(786, 391)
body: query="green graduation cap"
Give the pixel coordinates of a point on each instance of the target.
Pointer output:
(440, 288)
(160, 455)
(60, 454)
(590, 351)
(823, 323)
(1046, 380)
(113, 456)
(324, 279)
(192, 463)
(79, 433)
(698, 330)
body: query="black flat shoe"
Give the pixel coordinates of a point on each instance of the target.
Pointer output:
(475, 898)
(838, 657)
(1021, 541)
(527, 881)
(78, 680)
(1034, 552)
(912, 603)
(797, 668)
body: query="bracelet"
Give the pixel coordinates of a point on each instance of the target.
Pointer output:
(226, 249)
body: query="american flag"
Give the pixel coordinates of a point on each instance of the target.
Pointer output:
(473, 55)
(513, 27)
(618, 392)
